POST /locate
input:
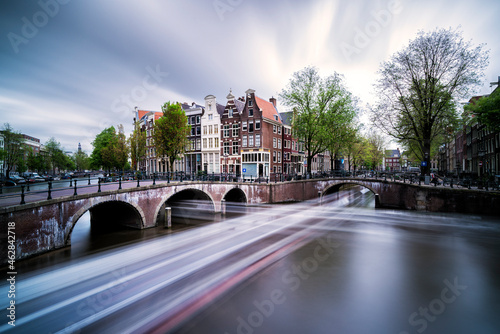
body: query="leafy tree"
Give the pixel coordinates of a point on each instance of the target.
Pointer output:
(486, 110)
(420, 85)
(170, 133)
(320, 106)
(55, 155)
(81, 161)
(13, 150)
(376, 143)
(137, 143)
(110, 149)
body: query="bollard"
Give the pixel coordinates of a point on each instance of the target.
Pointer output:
(168, 217)
(99, 185)
(223, 207)
(22, 195)
(49, 196)
(154, 179)
(89, 180)
(138, 181)
(74, 194)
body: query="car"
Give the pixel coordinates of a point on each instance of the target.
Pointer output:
(35, 179)
(17, 179)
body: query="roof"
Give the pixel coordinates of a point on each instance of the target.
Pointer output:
(220, 108)
(268, 109)
(239, 105)
(286, 117)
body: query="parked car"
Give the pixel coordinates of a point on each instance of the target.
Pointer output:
(17, 179)
(35, 179)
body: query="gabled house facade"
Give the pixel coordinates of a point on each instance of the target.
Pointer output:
(192, 159)
(210, 135)
(230, 136)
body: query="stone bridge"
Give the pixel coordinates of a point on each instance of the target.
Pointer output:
(47, 225)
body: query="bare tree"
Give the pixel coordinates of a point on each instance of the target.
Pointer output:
(419, 88)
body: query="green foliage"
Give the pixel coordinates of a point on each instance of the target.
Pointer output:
(486, 110)
(81, 161)
(137, 143)
(110, 150)
(322, 107)
(13, 150)
(419, 88)
(171, 133)
(55, 156)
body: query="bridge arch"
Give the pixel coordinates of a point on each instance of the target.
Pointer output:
(333, 188)
(189, 194)
(235, 195)
(130, 214)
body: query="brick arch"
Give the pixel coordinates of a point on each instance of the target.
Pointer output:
(231, 189)
(165, 198)
(94, 202)
(336, 186)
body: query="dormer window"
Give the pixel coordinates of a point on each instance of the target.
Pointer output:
(276, 117)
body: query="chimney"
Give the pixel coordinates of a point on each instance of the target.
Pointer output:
(273, 101)
(242, 99)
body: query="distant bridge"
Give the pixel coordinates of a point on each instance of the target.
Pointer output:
(47, 225)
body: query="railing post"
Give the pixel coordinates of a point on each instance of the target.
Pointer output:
(154, 179)
(74, 194)
(119, 182)
(99, 185)
(137, 181)
(168, 217)
(168, 177)
(22, 195)
(49, 196)
(89, 180)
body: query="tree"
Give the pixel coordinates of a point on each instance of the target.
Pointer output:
(170, 133)
(419, 87)
(13, 149)
(137, 143)
(55, 155)
(110, 149)
(377, 143)
(486, 110)
(320, 105)
(81, 161)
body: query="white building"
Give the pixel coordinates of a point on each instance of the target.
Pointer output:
(210, 137)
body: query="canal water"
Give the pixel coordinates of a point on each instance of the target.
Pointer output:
(351, 269)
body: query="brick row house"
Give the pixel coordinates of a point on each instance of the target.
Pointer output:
(247, 136)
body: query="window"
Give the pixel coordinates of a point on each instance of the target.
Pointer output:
(204, 129)
(230, 113)
(192, 145)
(226, 130)
(257, 124)
(250, 103)
(274, 142)
(279, 157)
(216, 129)
(210, 142)
(279, 143)
(226, 148)
(210, 117)
(274, 128)
(257, 140)
(279, 129)
(210, 107)
(198, 119)
(193, 131)
(216, 142)
(250, 112)
(274, 156)
(198, 144)
(235, 147)
(198, 130)
(193, 120)
(244, 126)
(204, 142)
(250, 126)
(236, 132)
(244, 141)
(210, 130)
(250, 141)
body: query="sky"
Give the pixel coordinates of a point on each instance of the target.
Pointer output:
(71, 68)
